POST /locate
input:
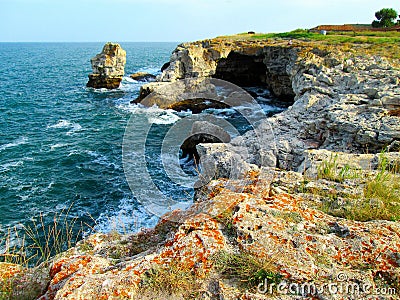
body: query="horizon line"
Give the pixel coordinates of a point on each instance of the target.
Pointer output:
(90, 41)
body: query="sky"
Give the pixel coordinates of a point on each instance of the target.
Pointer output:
(171, 20)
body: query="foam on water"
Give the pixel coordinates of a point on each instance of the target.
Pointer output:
(10, 165)
(75, 157)
(129, 216)
(20, 141)
(154, 114)
(59, 145)
(65, 124)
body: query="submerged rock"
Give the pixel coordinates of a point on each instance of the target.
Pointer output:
(108, 67)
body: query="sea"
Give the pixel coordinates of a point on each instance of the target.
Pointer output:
(61, 142)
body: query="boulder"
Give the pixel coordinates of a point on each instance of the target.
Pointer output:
(143, 76)
(194, 94)
(108, 67)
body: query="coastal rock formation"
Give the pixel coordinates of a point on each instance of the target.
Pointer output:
(326, 219)
(108, 67)
(245, 63)
(143, 76)
(341, 101)
(271, 215)
(193, 94)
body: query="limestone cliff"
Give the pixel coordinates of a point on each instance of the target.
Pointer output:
(342, 100)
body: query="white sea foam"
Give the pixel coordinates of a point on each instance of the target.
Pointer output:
(61, 124)
(128, 217)
(166, 117)
(20, 141)
(150, 70)
(10, 165)
(154, 114)
(128, 79)
(65, 124)
(56, 146)
(102, 159)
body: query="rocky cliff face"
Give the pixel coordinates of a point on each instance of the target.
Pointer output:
(247, 63)
(108, 67)
(341, 101)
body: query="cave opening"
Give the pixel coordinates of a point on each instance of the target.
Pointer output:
(252, 71)
(242, 70)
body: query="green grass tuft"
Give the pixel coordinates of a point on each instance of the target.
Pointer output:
(173, 279)
(246, 268)
(381, 192)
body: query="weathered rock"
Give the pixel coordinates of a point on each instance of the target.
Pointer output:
(354, 111)
(143, 76)
(108, 67)
(203, 132)
(194, 94)
(264, 215)
(278, 216)
(339, 160)
(243, 63)
(17, 282)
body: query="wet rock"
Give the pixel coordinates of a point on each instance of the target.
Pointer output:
(108, 67)
(143, 76)
(195, 95)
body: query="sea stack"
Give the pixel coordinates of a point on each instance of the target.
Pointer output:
(108, 67)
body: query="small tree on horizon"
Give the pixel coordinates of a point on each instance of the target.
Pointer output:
(385, 18)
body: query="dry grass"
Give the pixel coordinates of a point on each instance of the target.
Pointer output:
(30, 249)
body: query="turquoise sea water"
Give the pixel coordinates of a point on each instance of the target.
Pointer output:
(61, 143)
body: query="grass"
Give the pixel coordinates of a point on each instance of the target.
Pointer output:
(39, 242)
(358, 43)
(373, 37)
(175, 279)
(381, 192)
(330, 170)
(226, 219)
(245, 268)
(31, 248)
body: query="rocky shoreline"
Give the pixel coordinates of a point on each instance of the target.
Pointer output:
(295, 213)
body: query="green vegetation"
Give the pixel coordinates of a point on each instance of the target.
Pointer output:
(334, 37)
(246, 268)
(226, 219)
(355, 43)
(381, 192)
(329, 170)
(175, 279)
(385, 18)
(38, 243)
